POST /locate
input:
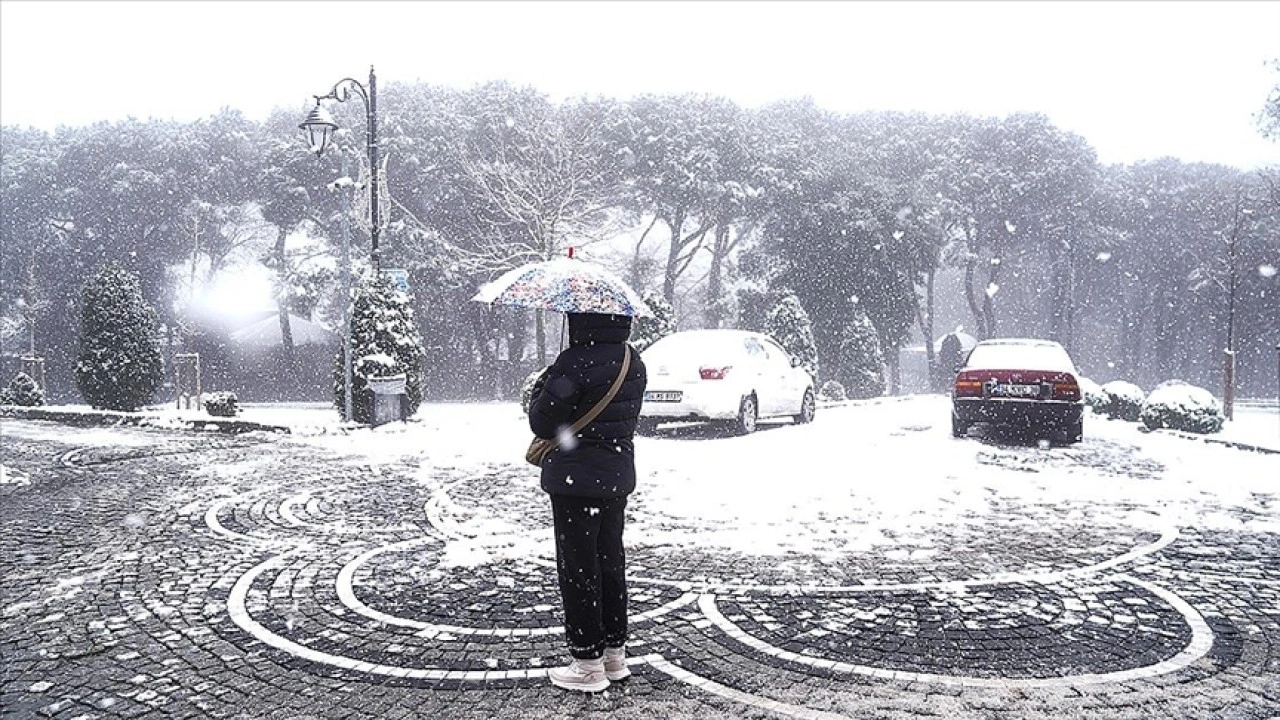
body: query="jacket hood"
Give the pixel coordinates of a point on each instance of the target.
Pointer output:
(588, 328)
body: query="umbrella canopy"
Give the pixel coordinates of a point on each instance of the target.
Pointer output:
(564, 285)
(967, 341)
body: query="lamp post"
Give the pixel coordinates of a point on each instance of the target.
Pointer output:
(346, 305)
(319, 126)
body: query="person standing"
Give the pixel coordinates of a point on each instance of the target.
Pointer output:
(588, 477)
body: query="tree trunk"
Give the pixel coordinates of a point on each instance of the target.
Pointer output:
(893, 361)
(925, 318)
(715, 288)
(289, 367)
(979, 320)
(540, 335)
(988, 297)
(676, 226)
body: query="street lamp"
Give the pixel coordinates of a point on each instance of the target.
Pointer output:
(319, 126)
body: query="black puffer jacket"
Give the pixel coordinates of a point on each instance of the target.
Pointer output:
(602, 462)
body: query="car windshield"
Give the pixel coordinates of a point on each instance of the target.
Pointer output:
(1019, 356)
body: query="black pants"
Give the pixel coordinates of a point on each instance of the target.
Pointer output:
(591, 566)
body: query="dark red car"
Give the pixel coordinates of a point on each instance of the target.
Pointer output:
(1021, 383)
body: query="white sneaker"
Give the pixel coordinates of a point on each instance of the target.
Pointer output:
(580, 675)
(615, 664)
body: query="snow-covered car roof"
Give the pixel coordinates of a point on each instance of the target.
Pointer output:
(716, 341)
(1019, 354)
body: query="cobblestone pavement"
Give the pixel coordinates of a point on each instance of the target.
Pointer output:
(182, 575)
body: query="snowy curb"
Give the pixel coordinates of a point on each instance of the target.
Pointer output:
(110, 418)
(867, 401)
(1217, 441)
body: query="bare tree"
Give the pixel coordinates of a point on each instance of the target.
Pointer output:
(536, 195)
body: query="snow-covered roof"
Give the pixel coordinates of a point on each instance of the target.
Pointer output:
(1020, 354)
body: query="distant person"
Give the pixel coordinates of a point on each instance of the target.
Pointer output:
(589, 477)
(950, 357)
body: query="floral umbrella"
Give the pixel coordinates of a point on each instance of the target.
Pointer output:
(564, 285)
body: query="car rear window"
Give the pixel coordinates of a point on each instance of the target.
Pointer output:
(1020, 357)
(697, 348)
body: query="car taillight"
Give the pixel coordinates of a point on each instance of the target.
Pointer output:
(709, 373)
(1069, 390)
(967, 386)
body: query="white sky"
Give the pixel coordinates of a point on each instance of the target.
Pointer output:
(1137, 79)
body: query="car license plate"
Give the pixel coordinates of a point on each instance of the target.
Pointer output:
(662, 396)
(1016, 390)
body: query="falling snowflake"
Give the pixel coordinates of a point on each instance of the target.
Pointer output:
(992, 289)
(1104, 256)
(1267, 271)
(897, 234)
(995, 261)
(1010, 227)
(566, 438)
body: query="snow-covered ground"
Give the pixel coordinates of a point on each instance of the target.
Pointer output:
(886, 476)
(1254, 424)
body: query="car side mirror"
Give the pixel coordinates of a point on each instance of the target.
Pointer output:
(795, 361)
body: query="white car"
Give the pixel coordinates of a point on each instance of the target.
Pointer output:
(734, 376)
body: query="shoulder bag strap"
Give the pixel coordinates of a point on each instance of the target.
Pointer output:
(608, 397)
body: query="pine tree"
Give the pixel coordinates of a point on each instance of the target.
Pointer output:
(646, 331)
(119, 367)
(790, 325)
(24, 391)
(384, 341)
(860, 365)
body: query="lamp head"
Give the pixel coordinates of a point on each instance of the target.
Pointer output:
(319, 127)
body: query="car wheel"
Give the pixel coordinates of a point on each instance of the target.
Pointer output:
(808, 408)
(1072, 433)
(959, 428)
(646, 426)
(748, 413)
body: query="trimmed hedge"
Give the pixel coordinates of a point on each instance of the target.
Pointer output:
(22, 391)
(1094, 397)
(1122, 401)
(832, 391)
(1177, 405)
(222, 404)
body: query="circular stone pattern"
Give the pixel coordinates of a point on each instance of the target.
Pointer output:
(505, 594)
(1006, 631)
(969, 549)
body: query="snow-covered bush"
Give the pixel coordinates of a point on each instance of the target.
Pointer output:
(790, 325)
(646, 331)
(119, 366)
(831, 391)
(859, 363)
(526, 388)
(384, 341)
(222, 404)
(1177, 405)
(24, 391)
(1122, 400)
(1092, 393)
